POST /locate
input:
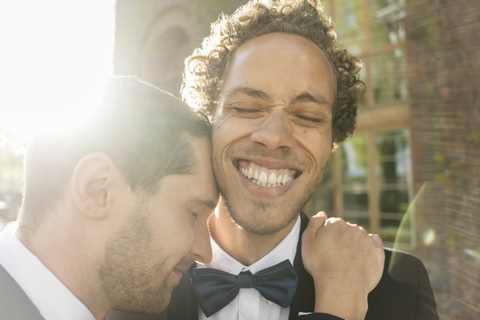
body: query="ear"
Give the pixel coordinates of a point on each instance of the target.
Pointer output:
(93, 178)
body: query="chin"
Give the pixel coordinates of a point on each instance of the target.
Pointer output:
(265, 224)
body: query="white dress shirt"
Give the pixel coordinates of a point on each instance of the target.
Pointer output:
(48, 294)
(250, 304)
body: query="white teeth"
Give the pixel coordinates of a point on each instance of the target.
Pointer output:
(272, 181)
(263, 178)
(250, 173)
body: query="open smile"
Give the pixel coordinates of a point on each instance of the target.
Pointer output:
(269, 178)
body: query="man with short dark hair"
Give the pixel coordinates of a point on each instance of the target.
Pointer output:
(115, 209)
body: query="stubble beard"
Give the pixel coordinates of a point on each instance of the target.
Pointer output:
(124, 280)
(265, 217)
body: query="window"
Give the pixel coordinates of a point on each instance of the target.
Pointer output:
(369, 180)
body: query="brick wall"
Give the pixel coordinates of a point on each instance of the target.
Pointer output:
(443, 70)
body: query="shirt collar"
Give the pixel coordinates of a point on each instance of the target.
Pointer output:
(48, 294)
(286, 249)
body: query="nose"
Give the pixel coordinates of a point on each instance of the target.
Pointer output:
(275, 132)
(202, 249)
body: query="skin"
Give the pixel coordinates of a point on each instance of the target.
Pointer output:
(275, 115)
(164, 235)
(274, 125)
(130, 250)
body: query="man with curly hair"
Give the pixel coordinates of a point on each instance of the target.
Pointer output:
(281, 96)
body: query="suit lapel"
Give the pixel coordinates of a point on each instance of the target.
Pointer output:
(304, 298)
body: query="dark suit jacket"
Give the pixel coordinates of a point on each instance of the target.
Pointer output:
(14, 303)
(403, 293)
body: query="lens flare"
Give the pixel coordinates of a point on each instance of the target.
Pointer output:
(429, 237)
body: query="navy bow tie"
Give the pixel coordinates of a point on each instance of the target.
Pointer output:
(215, 289)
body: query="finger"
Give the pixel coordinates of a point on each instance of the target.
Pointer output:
(316, 222)
(361, 228)
(376, 238)
(319, 219)
(334, 220)
(321, 214)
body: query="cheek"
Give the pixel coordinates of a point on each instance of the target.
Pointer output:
(232, 129)
(172, 231)
(318, 145)
(183, 237)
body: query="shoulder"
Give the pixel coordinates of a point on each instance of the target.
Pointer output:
(404, 291)
(402, 266)
(14, 303)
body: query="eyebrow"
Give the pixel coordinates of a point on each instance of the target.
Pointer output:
(307, 97)
(254, 93)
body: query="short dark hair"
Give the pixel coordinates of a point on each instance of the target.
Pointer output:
(205, 68)
(147, 132)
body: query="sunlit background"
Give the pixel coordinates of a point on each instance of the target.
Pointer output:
(411, 172)
(52, 53)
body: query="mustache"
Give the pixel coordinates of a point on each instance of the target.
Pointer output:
(285, 155)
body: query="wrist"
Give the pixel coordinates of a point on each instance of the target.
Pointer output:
(341, 301)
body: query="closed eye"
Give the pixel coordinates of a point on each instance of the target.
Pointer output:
(194, 215)
(310, 119)
(243, 110)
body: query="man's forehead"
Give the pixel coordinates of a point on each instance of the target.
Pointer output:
(261, 60)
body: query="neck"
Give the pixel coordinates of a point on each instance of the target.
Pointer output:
(245, 247)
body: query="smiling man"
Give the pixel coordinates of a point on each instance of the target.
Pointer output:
(272, 137)
(282, 95)
(115, 210)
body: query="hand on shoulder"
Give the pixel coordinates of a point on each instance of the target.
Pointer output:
(345, 262)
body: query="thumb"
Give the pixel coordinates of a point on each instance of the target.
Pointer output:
(316, 222)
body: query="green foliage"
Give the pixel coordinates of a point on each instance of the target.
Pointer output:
(473, 137)
(441, 177)
(450, 240)
(439, 159)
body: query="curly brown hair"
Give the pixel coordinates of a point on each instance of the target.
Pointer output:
(206, 66)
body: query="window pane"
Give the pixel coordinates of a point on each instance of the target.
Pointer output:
(388, 78)
(395, 201)
(322, 199)
(360, 219)
(355, 200)
(386, 21)
(393, 155)
(354, 180)
(348, 23)
(388, 230)
(393, 182)
(354, 161)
